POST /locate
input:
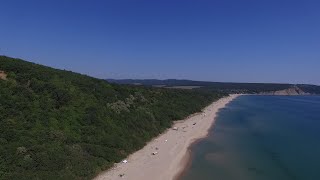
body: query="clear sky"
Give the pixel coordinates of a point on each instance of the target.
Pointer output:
(213, 40)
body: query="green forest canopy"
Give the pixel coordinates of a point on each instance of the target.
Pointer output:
(58, 124)
(226, 87)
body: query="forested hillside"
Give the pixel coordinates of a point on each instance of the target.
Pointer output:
(57, 124)
(228, 87)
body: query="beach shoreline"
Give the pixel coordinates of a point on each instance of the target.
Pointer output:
(171, 148)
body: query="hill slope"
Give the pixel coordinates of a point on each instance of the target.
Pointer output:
(57, 124)
(227, 87)
(293, 91)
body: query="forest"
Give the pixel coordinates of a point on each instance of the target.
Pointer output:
(57, 124)
(225, 87)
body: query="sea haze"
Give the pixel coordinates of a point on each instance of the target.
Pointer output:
(261, 138)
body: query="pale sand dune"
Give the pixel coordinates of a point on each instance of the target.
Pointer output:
(171, 157)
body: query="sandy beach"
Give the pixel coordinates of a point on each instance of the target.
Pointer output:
(170, 149)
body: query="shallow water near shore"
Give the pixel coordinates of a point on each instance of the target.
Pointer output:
(261, 138)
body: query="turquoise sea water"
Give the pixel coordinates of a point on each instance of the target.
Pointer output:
(261, 138)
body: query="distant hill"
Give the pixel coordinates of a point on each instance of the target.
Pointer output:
(227, 87)
(57, 124)
(294, 90)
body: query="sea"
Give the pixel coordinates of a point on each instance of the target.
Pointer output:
(260, 138)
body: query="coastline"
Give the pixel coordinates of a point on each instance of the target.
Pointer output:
(172, 148)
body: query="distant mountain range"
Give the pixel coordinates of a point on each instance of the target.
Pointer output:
(229, 87)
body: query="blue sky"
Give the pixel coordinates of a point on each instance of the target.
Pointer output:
(229, 40)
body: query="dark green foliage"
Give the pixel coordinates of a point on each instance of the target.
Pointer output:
(312, 89)
(57, 124)
(250, 88)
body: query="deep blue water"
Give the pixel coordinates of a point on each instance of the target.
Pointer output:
(261, 138)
